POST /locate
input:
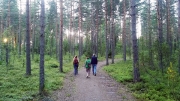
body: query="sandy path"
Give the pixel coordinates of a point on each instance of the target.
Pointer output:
(96, 88)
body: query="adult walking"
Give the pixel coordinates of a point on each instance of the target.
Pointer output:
(94, 62)
(76, 65)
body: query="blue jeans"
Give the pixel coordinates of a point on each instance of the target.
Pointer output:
(94, 68)
(75, 69)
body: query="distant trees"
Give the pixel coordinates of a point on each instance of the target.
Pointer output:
(85, 27)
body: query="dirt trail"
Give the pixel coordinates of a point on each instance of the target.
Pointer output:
(96, 88)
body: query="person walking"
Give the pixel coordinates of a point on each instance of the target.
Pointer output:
(88, 66)
(76, 65)
(94, 62)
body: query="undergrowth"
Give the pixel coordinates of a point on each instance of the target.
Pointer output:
(16, 86)
(153, 85)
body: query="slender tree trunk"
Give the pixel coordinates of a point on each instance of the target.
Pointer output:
(179, 32)
(80, 29)
(169, 36)
(1, 37)
(73, 30)
(92, 32)
(134, 40)
(61, 37)
(107, 63)
(124, 32)
(28, 57)
(9, 13)
(149, 32)
(56, 31)
(160, 32)
(19, 48)
(70, 28)
(2, 29)
(33, 33)
(112, 31)
(97, 29)
(42, 45)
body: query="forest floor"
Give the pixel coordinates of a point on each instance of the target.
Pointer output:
(96, 88)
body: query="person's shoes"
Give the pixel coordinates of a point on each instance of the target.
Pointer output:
(95, 74)
(86, 76)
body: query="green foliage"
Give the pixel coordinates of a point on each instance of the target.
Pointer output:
(15, 86)
(153, 86)
(121, 71)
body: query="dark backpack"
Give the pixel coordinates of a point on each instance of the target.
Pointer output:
(75, 61)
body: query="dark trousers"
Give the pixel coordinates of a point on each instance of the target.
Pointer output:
(75, 69)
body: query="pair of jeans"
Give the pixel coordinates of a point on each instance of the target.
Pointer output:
(94, 68)
(75, 69)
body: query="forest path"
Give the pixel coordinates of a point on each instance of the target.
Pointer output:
(96, 88)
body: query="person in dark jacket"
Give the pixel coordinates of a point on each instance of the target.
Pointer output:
(94, 62)
(75, 64)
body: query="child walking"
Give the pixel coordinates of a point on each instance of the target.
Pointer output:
(88, 66)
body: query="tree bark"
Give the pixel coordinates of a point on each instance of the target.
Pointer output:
(61, 37)
(134, 42)
(112, 31)
(149, 32)
(70, 28)
(107, 63)
(57, 34)
(28, 57)
(19, 34)
(42, 44)
(124, 32)
(9, 13)
(80, 29)
(160, 32)
(169, 36)
(179, 32)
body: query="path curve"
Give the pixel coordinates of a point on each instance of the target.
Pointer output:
(96, 88)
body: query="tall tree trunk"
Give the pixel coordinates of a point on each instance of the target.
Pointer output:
(97, 28)
(42, 44)
(169, 36)
(107, 63)
(179, 32)
(1, 20)
(33, 32)
(61, 37)
(56, 31)
(134, 42)
(28, 57)
(9, 13)
(149, 32)
(124, 32)
(160, 32)
(19, 36)
(73, 30)
(112, 31)
(80, 28)
(92, 32)
(70, 29)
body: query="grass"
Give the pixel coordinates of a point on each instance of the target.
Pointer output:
(153, 86)
(16, 86)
